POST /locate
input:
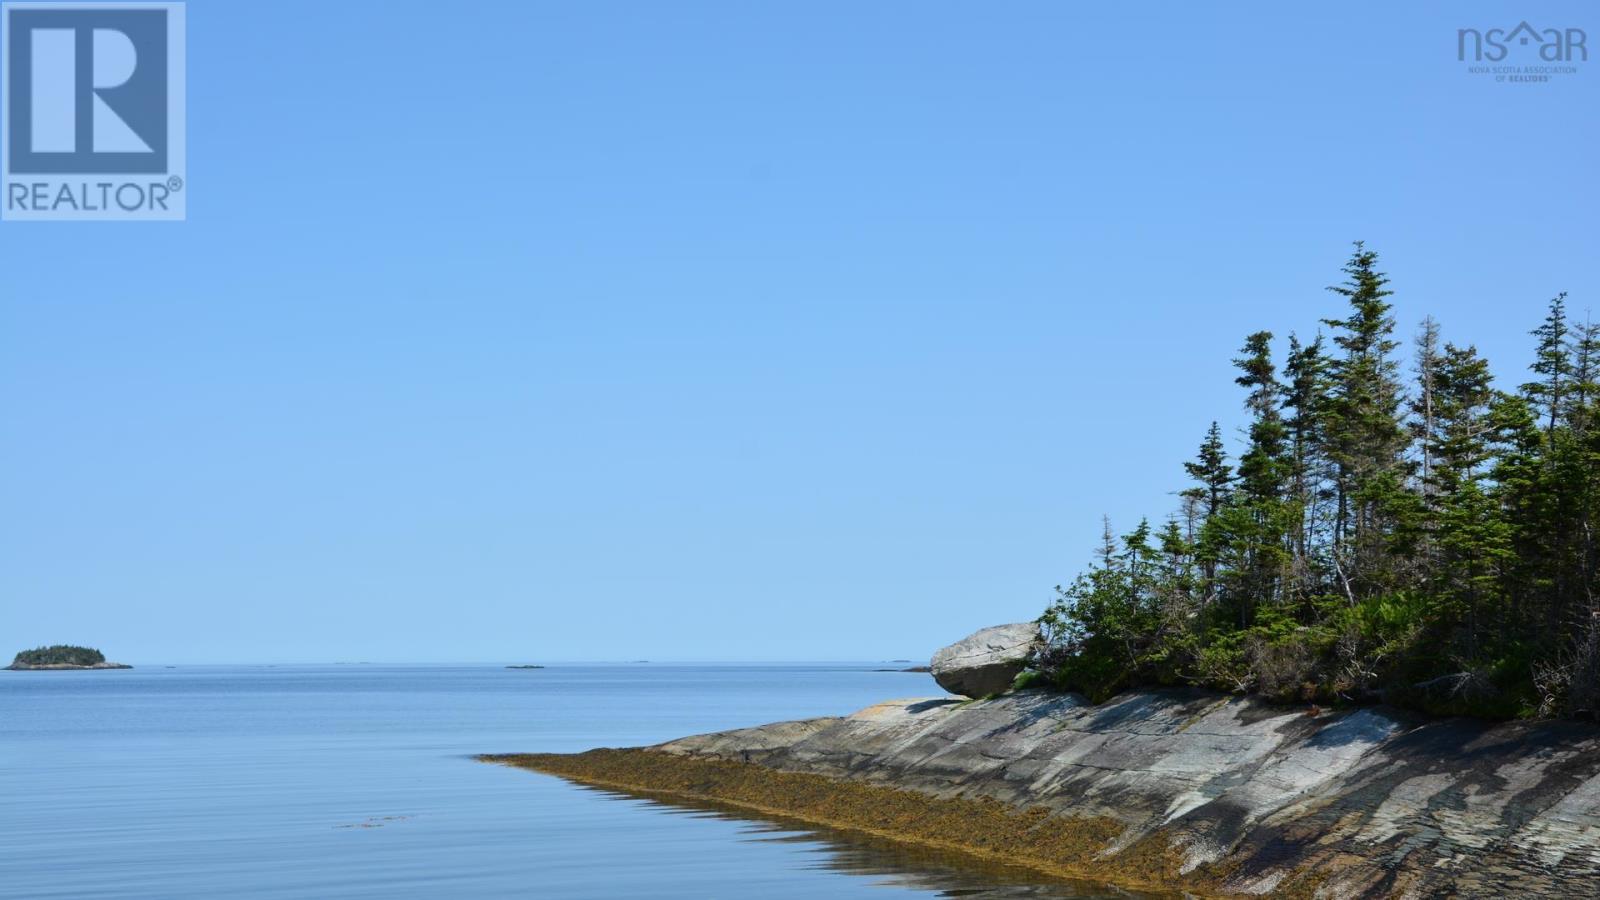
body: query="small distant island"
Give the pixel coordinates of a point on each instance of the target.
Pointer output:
(63, 656)
(524, 667)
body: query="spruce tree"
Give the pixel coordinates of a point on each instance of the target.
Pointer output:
(1305, 401)
(1210, 468)
(1365, 440)
(1468, 529)
(1258, 527)
(1552, 364)
(1214, 475)
(1437, 550)
(1422, 407)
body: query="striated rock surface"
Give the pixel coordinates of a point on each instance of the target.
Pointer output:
(1242, 797)
(986, 661)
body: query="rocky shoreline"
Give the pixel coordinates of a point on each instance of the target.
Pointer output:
(1177, 790)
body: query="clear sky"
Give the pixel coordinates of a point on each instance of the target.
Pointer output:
(534, 331)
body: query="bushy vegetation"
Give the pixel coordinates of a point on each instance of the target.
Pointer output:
(1405, 533)
(59, 655)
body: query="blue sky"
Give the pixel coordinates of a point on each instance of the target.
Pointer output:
(529, 331)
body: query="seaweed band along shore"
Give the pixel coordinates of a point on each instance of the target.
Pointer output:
(1173, 789)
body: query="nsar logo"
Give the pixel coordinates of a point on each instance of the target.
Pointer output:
(92, 111)
(1522, 55)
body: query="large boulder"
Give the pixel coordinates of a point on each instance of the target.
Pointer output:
(986, 661)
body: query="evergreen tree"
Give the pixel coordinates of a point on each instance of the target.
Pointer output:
(1210, 468)
(1437, 550)
(1215, 476)
(1178, 554)
(1257, 523)
(1305, 399)
(1552, 364)
(1422, 408)
(1460, 428)
(1472, 538)
(1585, 386)
(1549, 492)
(1263, 470)
(1584, 412)
(1365, 439)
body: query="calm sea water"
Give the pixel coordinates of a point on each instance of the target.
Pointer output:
(356, 781)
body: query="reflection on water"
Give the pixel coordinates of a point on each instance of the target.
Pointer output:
(888, 862)
(359, 783)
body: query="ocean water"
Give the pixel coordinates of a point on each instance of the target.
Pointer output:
(358, 781)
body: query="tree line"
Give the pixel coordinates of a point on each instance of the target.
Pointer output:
(1391, 529)
(60, 654)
